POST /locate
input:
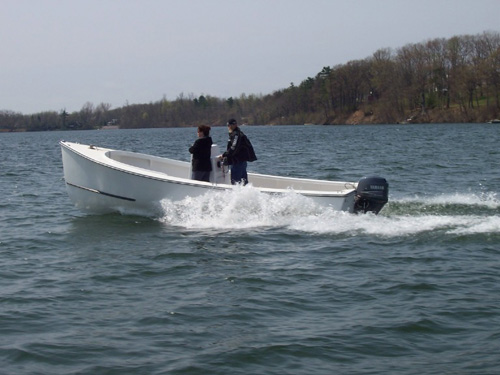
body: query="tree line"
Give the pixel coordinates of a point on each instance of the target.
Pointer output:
(439, 80)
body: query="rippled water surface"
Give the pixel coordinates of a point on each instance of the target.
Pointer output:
(239, 283)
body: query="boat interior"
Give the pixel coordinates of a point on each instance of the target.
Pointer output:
(220, 174)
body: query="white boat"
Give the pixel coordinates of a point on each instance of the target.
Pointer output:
(102, 180)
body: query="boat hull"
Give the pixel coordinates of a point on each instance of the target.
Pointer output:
(101, 181)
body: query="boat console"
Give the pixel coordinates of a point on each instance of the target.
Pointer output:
(219, 173)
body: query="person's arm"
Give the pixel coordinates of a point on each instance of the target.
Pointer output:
(234, 145)
(194, 147)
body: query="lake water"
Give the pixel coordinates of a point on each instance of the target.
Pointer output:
(246, 284)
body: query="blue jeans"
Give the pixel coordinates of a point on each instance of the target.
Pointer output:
(239, 173)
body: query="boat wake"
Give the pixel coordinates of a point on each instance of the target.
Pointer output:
(487, 200)
(246, 208)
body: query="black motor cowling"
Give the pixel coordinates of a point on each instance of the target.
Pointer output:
(372, 194)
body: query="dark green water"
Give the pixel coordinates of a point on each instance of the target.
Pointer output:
(239, 283)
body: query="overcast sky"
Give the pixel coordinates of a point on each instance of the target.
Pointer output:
(61, 54)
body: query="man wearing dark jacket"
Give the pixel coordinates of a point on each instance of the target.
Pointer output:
(201, 150)
(239, 152)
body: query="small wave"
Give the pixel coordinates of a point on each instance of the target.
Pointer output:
(478, 225)
(246, 208)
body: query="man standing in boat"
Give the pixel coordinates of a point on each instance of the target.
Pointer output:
(239, 152)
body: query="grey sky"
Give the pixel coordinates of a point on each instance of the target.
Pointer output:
(60, 54)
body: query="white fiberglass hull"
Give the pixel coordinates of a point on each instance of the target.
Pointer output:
(101, 180)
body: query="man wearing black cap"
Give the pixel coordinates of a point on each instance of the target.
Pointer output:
(239, 152)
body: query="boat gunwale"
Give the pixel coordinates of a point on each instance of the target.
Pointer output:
(186, 181)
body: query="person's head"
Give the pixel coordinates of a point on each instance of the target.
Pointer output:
(204, 130)
(232, 124)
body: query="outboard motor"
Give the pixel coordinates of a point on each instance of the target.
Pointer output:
(372, 194)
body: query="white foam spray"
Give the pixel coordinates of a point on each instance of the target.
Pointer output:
(246, 208)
